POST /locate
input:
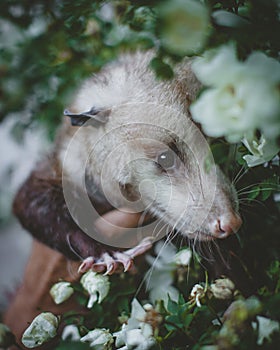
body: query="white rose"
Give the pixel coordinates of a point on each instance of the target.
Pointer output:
(218, 67)
(61, 291)
(42, 329)
(96, 285)
(243, 96)
(99, 339)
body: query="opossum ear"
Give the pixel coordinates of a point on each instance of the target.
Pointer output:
(97, 116)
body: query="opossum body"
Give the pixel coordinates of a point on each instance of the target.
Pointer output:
(129, 142)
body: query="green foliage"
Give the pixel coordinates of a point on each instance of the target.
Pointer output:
(53, 45)
(48, 47)
(70, 345)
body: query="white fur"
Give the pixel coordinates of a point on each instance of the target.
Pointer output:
(143, 112)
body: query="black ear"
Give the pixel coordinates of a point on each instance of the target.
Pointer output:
(97, 116)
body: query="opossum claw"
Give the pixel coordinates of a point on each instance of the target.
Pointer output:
(111, 263)
(125, 260)
(86, 265)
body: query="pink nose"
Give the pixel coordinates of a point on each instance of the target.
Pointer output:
(226, 225)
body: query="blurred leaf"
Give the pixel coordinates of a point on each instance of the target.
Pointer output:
(71, 345)
(162, 70)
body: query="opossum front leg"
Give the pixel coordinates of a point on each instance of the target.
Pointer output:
(40, 206)
(41, 209)
(117, 260)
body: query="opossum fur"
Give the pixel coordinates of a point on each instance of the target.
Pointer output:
(128, 122)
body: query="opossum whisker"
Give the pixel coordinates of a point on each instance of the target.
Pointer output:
(260, 189)
(246, 187)
(219, 252)
(149, 273)
(176, 227)
(72, 248)
(200, 247)
(239, 175)
(214, 250)
(165, 226)
(249, 202)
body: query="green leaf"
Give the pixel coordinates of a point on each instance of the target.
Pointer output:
(173, 322)
(162, 69)
(172, 306)
(220, 152)
(71, 345)
(187, 320)
(254, 192)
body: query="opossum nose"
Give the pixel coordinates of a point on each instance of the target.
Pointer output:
(226, 225)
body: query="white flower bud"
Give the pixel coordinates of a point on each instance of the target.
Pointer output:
(61, 291)
(183, 257)
(197, 293)
(222, 288)
(148, 307)
(96, 285)
(99, 339)
(71, 332)
(42, 329)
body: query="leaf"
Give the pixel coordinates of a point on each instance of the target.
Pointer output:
(162, 69)
(173, 322)
(71, 345)
(220, 152)
(172, 307)
(187, 320)
(254, 192)
(181, 299)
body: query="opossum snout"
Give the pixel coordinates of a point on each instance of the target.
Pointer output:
(226, 225)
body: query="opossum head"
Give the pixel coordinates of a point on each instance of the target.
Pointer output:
(152, 158)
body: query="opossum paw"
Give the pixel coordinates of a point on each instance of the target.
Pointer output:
(116, 261)
(109, 264)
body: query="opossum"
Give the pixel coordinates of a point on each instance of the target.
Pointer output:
(128, 141)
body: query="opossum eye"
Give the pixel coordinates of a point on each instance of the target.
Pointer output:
(167, 159)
